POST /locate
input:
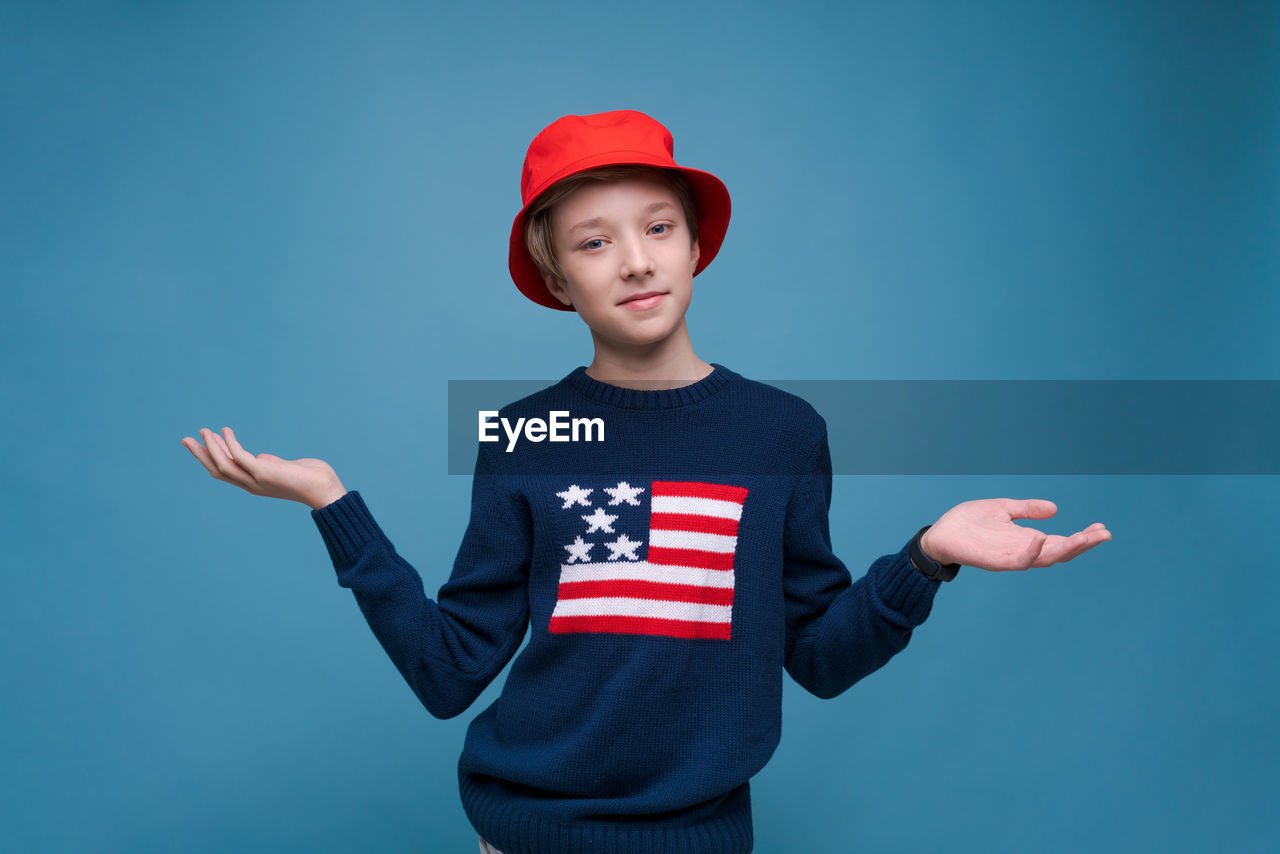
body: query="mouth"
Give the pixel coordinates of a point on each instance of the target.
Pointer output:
(643, 301)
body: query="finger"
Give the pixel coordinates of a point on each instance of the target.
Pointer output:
(1055, 547)
(1068, 548)
(202, 456)
(222, 459)
(1079, 550)
(1083, 541)
(1096, 538)
(1030, 508)
(1035, 550)
(1094, 534)
(242, 457)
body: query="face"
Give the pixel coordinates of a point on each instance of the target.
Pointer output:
(627, 259)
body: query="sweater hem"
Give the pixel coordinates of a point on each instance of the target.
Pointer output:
(519, 831)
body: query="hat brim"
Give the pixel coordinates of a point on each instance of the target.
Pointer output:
(710, 194)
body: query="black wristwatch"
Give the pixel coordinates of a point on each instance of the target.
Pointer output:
(927, 566)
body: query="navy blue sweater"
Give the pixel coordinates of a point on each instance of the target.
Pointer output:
(669, 574)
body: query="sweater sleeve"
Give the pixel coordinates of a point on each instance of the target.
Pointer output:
(450, 649)
(840, 630)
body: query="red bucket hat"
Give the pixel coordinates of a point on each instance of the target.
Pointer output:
(573, 144)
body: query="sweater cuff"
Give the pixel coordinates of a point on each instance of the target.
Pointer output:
(905, 591)
(347, 527)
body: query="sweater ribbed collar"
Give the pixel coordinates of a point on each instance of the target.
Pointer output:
(662, 398)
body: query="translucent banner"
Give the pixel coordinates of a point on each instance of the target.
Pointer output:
(990, 427)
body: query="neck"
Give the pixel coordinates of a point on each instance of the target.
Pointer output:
(670, 363)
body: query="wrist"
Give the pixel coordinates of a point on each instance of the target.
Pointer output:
(926, 564)
(928, 549)
(324, 499)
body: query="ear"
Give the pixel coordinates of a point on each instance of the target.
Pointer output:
(694, 255)
(557, 288)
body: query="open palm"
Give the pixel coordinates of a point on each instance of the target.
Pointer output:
(982, 534)
(309, 481)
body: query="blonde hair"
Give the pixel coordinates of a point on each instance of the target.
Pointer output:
(538, 238)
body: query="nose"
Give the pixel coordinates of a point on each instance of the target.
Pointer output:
(637, 261)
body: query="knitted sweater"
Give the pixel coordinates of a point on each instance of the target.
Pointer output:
(668, 573)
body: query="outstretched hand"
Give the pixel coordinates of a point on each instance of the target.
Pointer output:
(309, 481)
(982, 534)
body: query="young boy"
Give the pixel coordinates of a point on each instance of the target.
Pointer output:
(670, 572)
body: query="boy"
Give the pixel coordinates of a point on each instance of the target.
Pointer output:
(669, 573)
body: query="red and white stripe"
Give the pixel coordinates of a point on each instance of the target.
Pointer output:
(685, 587)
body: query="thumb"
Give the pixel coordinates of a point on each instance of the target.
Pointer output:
(1030, 508)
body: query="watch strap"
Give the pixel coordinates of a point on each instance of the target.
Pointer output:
(927, 566)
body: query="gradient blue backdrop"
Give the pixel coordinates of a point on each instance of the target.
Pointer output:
(292, 218)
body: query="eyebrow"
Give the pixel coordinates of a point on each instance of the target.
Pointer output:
(598, 221)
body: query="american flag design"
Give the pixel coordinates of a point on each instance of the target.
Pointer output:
(655, 558)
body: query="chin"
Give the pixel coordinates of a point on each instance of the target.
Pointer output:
(639, 338)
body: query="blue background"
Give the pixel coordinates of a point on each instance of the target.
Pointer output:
(292, 218)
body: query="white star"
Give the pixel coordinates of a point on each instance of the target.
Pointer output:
(575, 495)
(623, 546)
(578, 550)
(625, 492)
(599, 521)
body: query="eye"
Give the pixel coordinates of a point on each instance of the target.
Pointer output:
(665, 228)
(591, 244)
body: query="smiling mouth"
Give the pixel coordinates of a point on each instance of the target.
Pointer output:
(648, 299)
